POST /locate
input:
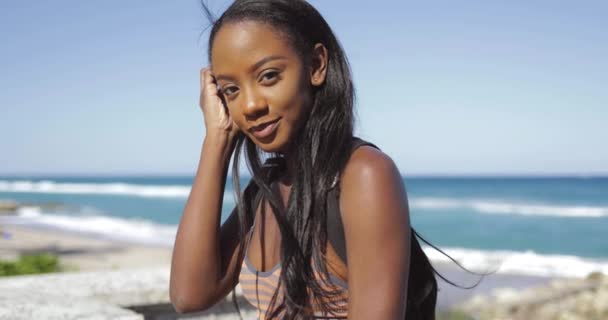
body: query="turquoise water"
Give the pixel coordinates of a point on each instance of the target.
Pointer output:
(533, 221)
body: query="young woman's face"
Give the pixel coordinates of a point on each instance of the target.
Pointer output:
(264, 82)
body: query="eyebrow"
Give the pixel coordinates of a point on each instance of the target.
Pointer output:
(254, 66)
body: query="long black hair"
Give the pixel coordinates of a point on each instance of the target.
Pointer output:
(323, 149)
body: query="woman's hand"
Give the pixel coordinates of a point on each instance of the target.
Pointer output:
(218, 122)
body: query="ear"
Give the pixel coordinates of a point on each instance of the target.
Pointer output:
(318, 68)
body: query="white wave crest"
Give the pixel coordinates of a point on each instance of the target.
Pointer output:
(130, 230)
(46, 186)
(503, 207)
(29, 211)
(520, 262)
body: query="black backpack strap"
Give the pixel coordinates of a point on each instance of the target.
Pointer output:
(422, 286)
(253, 194)
(335, 229)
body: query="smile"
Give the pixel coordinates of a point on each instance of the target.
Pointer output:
(265, 129)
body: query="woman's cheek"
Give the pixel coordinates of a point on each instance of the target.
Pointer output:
(232, 112)
(241, 125)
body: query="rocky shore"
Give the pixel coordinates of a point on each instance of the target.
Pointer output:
(563, 299)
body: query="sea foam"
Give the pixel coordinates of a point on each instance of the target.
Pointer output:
(130, 230)
(118, 189)
(520, 262)
(47, 186)
(489, 206)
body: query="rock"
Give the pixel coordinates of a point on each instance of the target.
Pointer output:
(596, 275)
(8, 207)
(561, 299)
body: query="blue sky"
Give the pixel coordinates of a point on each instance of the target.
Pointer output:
(444, 87)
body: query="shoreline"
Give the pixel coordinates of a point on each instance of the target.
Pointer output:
(86, 252)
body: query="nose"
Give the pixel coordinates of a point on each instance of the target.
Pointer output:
(255, 104)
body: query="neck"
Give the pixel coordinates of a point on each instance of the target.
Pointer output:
(291, 167)
(288, 175)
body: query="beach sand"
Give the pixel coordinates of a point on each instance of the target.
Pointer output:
(79, 252)
(86, 253)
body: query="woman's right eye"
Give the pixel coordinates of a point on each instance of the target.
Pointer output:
(228, 91)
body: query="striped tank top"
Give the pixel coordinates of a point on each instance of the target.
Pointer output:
(259, 287)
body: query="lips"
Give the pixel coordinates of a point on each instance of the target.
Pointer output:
(265, 129)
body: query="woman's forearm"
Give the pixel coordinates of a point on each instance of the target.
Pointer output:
(196, 262)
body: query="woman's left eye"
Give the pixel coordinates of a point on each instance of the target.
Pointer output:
(269, 77)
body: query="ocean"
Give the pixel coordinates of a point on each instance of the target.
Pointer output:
(541, 226)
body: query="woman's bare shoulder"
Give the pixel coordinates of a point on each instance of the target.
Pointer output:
(368, 164)
(371, 187)
(374, 210)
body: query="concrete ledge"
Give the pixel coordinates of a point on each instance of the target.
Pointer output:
(35, 306)
(128, 294)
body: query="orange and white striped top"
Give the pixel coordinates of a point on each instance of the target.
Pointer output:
(259, 287)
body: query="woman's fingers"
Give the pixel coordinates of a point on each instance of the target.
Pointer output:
(215, 113)
(209, 93)
(207, 86)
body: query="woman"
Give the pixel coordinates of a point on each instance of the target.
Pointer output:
(322, 230)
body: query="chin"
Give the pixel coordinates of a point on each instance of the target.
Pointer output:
(272, 147)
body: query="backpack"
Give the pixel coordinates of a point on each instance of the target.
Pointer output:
(422, 285)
